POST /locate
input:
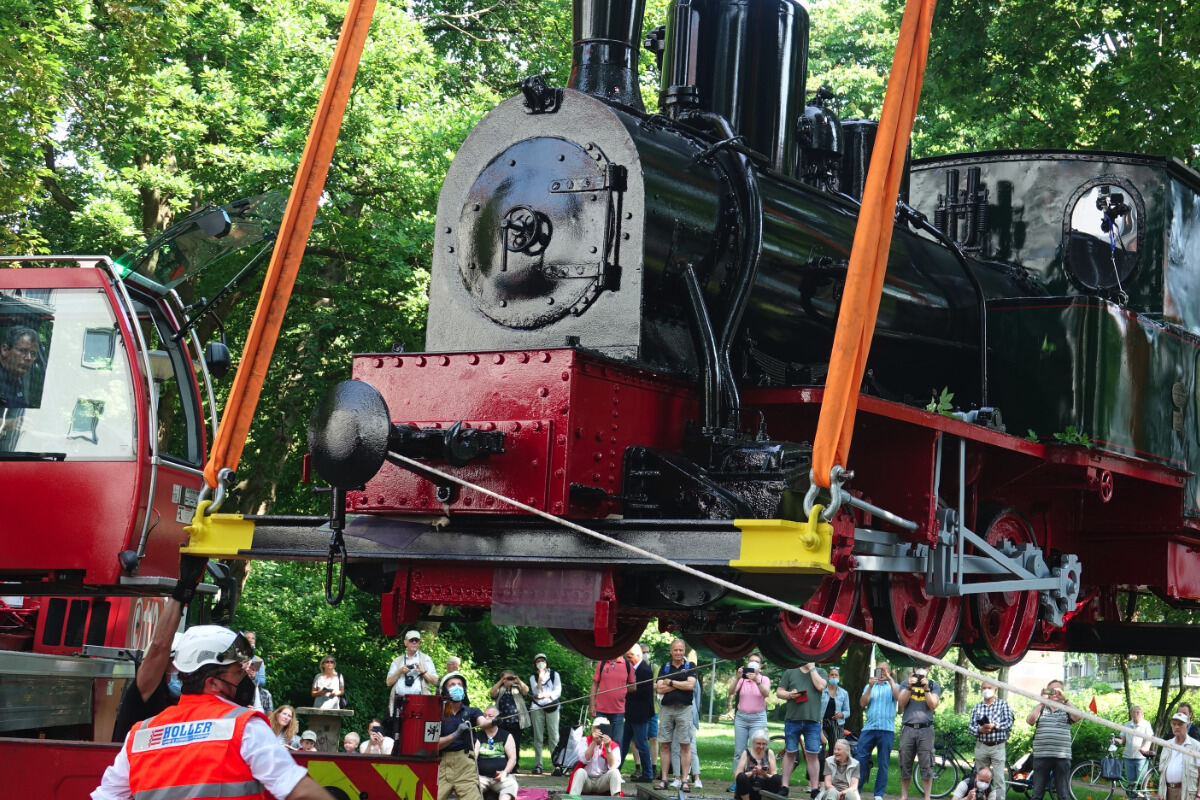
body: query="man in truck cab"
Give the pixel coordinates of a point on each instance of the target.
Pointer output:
(210, 744)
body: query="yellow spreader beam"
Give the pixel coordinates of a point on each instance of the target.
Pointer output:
(784, 545)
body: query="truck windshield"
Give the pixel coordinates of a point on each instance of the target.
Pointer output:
(65, 383)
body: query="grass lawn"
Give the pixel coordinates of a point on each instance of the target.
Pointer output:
(715, 742)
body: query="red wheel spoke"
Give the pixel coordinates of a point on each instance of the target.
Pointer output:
(799, 640)
(1003, 623)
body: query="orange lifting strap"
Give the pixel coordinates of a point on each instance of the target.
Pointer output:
(289, 248)
(872, 238)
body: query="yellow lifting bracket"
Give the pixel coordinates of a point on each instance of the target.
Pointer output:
(218, 535)
(784, 545)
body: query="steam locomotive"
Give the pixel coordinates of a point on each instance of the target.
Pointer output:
(630, 322)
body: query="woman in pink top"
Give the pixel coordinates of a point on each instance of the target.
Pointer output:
(748, 690)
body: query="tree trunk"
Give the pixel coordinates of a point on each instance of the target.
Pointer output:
(960, 685)
(1162, 720)
(856, 670)
(1123, 665)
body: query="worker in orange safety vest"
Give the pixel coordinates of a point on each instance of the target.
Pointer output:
(209, 745)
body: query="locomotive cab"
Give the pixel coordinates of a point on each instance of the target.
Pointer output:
(102, 429)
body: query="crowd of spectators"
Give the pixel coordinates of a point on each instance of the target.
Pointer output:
(653, 715)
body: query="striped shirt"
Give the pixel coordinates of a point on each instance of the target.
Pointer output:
(881, 712)
(1052, 737)
(999, 714)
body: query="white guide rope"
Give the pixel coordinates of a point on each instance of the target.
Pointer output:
(421, 467)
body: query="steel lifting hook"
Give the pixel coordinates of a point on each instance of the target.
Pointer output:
(337, 550)
(337, 546)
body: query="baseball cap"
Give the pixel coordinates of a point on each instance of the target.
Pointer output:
(412, 635)
(541, 657)
(308, 735)
(598, 721)
(1182, 717)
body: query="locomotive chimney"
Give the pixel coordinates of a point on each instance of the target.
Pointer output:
(745, 60)
(608, 34)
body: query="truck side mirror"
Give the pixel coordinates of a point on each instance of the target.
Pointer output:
(217, 359)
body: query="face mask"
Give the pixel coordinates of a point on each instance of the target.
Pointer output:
(174, 684)
(988, 694)
(982, 785)
(541, 665)
(834, 681)
(921, 673)
(243, 693)
(754, 666)
(457, 693)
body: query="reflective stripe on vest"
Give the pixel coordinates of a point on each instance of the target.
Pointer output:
(205, 790)
(211, 766)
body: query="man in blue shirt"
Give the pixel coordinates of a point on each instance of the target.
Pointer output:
(878, 702)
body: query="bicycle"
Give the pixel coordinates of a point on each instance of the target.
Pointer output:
(950, 765)
(1087, 782)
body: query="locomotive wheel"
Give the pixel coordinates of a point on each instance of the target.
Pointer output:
(906, 615)
(584, 642)
(797, 640)
(728, 645)
(1004, 622)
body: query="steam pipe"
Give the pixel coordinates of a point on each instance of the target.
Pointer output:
(749, 202)
(711, 362)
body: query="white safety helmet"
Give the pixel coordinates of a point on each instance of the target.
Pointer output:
(210, 644)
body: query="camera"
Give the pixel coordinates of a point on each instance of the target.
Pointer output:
(984, 720)
(748, 672)
(879, 673)
(409, 679)
(377, 729)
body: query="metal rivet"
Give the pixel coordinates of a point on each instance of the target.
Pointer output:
(523, 358)
(625, 236)
(498, 358)
(420, 361)
(475, 207)
(445, 361)
(447, 229)
(549, 301)
(503, 303)
(512, 162)
(592, 249)
(543, 391)
(545, 357)
(472, 359)
(450, 249)
(556, 185)
(561, 157)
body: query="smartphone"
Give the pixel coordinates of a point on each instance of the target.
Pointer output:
(879, 672)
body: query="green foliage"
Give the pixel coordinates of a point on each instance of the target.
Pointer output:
(1101, 687)
(1073, 436)
(942, 404)
(1031, 435)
